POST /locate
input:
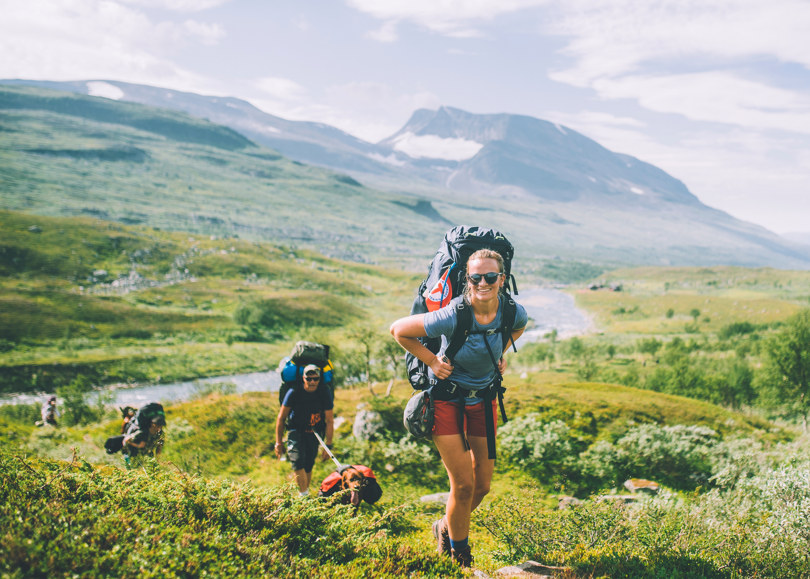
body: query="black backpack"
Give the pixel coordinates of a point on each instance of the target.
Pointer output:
(445, 282)
(144, 416)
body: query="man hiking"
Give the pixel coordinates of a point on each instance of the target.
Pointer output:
(307, 408)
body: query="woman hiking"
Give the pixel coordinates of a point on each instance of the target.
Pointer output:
(462, 391)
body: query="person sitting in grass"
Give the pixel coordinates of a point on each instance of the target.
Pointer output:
(50, 412)
(140, 442)
(307, 408)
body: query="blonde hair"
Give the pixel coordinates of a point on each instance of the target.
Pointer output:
(478, 255)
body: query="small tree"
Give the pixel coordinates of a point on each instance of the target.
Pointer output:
(393, 353)
(74, 401)
(367, 338)
(648, 346)
(788, 363)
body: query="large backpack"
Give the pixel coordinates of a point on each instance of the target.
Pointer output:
(302, 355)
(445, 281)
(144, 416)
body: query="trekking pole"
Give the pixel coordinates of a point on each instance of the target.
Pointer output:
(326, 448)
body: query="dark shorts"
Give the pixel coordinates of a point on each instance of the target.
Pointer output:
(446, 418)
(302, 449)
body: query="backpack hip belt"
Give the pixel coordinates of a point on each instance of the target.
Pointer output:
(448, 391)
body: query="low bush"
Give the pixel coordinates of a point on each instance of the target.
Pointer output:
(71, 519)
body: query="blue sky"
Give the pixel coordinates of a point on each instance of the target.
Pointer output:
(715, 92)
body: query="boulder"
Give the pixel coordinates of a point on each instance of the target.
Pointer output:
(435, 498)
(367, 425)
(635, 485)
(566, 501)
(531, 569)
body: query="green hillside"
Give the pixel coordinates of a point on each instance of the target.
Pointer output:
(115, 303)
(70, 155)
(219, 503)
(85, 302)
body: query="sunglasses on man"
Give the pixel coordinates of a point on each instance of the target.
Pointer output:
(314, 378)
(490, 278)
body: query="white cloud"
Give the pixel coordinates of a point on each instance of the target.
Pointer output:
(710, 59)
(386, 33)
(731, 170)
(178, 5)
(433, 147)
(715, 97)
(281, 88)
(371, 111)
(80, 39)
(209, 34)
(450, 17)
(610, 37)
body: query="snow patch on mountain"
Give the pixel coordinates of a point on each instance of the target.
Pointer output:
(433, 147)
(104, 89)
(388, 160)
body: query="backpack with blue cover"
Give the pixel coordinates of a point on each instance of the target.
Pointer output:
(303, 354)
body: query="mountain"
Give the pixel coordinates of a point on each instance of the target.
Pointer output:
(510, 154)
(560, 196)
(65, 154)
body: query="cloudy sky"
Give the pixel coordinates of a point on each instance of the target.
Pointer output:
(715, 92)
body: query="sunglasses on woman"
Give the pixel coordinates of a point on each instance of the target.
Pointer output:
(490, 278)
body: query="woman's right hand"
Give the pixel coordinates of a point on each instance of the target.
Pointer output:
(441, 367)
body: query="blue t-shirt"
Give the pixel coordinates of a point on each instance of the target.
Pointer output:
(472, 368)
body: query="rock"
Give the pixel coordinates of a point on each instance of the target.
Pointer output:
(531, 569)
(642, 485)
(566, 501)
(367, 424)
(435, 498)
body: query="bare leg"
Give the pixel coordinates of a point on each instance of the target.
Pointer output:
(483, 468)
(458, 462)
(302, 479)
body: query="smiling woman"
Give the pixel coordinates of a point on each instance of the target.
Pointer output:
(464, 390)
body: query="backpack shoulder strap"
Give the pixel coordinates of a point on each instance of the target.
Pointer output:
(464, 318)
(508, 321)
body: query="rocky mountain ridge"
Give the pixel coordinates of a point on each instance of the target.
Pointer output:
(556, 192)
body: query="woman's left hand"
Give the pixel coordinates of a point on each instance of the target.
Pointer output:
(502, 365)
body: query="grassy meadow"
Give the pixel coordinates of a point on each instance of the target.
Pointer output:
(673, 385)
(124, 304)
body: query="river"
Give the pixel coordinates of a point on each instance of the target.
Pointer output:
(550, 309)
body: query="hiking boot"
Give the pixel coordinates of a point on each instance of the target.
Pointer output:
(463, 557)
(442, 536)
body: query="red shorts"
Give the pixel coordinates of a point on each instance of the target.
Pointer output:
(446, 418)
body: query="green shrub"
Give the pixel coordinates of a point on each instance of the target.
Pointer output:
(679, 456)
(535, 445)
(71, 519)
